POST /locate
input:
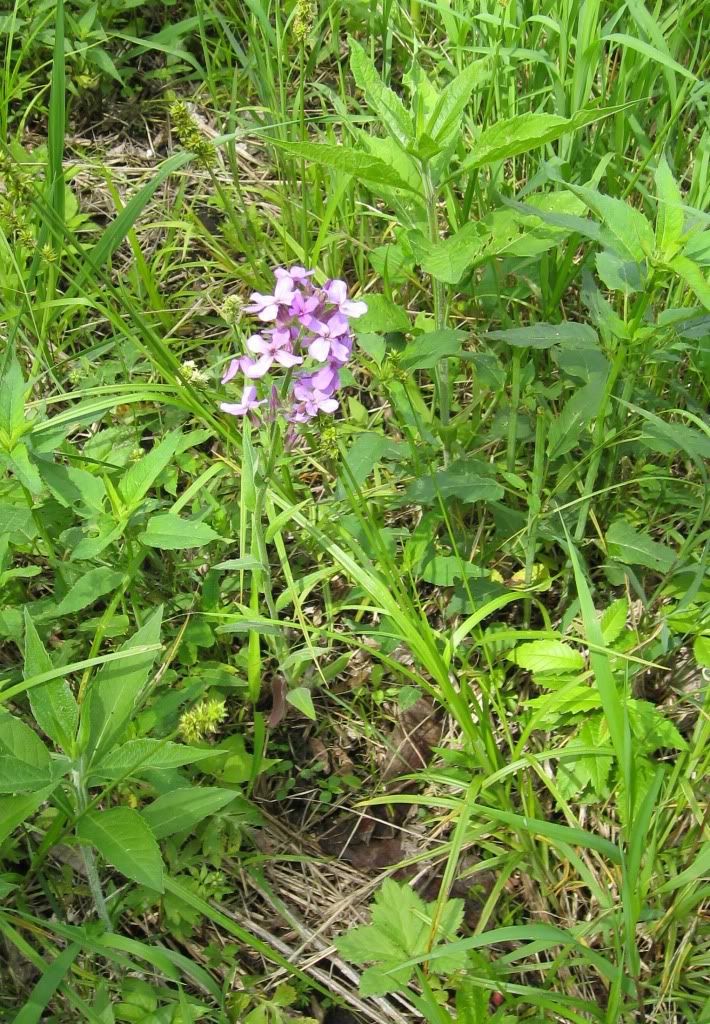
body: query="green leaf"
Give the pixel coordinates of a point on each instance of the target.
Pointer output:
(51, 978)
(398, 161)
(446, 115)
(383, 317)
(448, 260)
(16, 809)
(546, 335)
(182, 809)
(137, 756)
(524, 132)
(469, 480)
(12, 404)
(626, 230)
(634, 43)
(634, 547)
(141, 476)
(124, 840)
(402, 927)
(693, 276)
(429, 348)
(651, 728)
(540, 656)
(170, 532)
(17, 776)
(613, 621)
(23, 743)
(361, 165)
(53, 705)
(386, 104)
(24, 468)
(88, 588)
(115, 689)
(566, 429)
(670, 217)
(701, 650)
(300, 697)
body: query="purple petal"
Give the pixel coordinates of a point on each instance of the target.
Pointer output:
(287, 358)
(354, 309)
(233, 408)
(256, 344)
(319, 349)
(231, 371)
(257, 369)
(327, 405)
(337, 291)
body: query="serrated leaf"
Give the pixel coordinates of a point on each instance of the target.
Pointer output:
(613, 621)
(171, 532)
(24, 469)
(12, 403)
(626, 230)
(670, 217)
(448, 260)
(634, 547)
(469, 480)
(446, 115)
(88, 588)
(401, 929)
(541, 656)
(701, 650)
(115, 689)
(53, 705)
(361, 165)
(544, 335)
(651, 728)
(524, 132)
(182, 809)
(19, 741)
(16, 809)
(141, 475)
(383, 317)
(430, 348)
(693, 276)
(124, 840)
(386, 103)
(579, 410)
(137, 756)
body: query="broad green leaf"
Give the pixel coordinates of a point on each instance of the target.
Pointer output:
(402, 927)
(386, 104)
(361, 165)
(446, 115)
(18, 776)
(12, 404)
(399, 161)
(25, 469)
(53, 704)
(634, 547)
(72, 486)
(124, 840)
(541, 656)
(19, 741)
(566, 429)
(619, 274)
(300, 697)
(16, 809)
(365, 452)
(137, 756)
(171, 532)
(182, 809)
(115, 689)
(701, 650)
(429, 348)
(693, 276)
(670, 217)
(383, 317)
(141, 476)
(88, 589)
(448, 260)
(469, 480)
(650, 727)
(626, 230)
(613, 620)
(546, 335)
(445, 570)
(524, 132)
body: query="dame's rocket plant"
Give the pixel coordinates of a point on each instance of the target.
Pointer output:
(311, 328)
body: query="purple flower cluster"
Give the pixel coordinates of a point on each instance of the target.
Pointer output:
(308, 323)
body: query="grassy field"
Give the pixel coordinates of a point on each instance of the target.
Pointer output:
(354, 608)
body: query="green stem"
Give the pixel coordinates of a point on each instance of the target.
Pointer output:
(513, 411)
(439, 293)
(534, 505)
(92, 873)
